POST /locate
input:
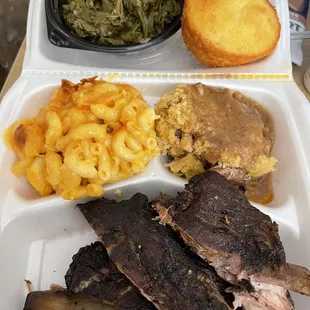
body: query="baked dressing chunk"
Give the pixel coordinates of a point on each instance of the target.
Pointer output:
(203, 127)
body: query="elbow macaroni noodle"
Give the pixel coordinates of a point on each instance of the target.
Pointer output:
(90, 134)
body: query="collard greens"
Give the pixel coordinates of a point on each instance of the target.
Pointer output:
(119, 22)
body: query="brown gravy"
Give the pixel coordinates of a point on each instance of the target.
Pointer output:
(255, 116)
(224, 128)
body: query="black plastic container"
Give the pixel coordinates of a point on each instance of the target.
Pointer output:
(61, 36)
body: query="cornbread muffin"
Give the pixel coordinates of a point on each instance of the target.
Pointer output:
(230, 33)
(203, 127)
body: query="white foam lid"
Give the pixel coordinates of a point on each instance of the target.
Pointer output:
(171, 56)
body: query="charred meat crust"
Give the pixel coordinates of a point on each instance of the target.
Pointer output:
(149, 256)
(94, 275)
(228, 231)
(88, 263)
(238, 240)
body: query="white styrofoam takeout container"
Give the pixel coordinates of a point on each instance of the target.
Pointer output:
(38, 236)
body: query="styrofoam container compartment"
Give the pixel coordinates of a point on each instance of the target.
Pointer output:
(169, 57)
(39, 235)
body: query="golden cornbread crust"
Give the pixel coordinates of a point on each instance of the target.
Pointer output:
(230, 33)
(201, 125)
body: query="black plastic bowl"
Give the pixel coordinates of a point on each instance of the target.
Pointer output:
(61, 36)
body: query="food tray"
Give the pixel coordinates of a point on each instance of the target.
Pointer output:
(170, 58)
(39, 235)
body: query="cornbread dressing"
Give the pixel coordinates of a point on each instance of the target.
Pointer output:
(201, 126)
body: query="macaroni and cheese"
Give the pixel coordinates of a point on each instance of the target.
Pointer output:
(90, 134)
